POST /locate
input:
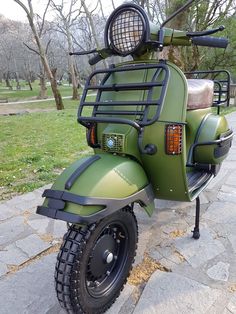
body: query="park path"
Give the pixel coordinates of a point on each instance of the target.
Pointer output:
(187, 276)
(21, 102)
(14, 108)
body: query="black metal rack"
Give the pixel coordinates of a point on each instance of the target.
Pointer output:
(221, 86)
(139, 115)
(222, 144)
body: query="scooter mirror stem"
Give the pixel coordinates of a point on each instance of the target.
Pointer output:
(81, 53)
(184, 7)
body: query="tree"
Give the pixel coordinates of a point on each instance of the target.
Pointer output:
(41, 49)
(202, 15)
(67, 17)
(91, 25)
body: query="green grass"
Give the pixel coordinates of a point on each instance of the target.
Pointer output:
(227, 110)
(68, 104)
(26, 93)
(43, 106)
(36, 147)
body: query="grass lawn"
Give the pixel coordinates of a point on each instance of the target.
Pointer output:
(44, 105)
(227, 110)
(26, 93)
(35, 147)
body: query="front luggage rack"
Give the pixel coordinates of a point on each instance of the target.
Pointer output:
(136, 112)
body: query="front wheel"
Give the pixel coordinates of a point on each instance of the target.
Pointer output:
(94, 262)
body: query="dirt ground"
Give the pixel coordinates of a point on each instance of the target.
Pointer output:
(9, 109)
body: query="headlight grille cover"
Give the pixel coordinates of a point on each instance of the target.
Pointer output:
(127, 31)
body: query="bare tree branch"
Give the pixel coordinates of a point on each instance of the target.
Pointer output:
(43, 18)
(32, 49)
(47, 46)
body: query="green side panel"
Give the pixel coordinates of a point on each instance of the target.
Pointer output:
(166, 172)
(109, 177)
(175, 104)
(194, 118)
(213, 128)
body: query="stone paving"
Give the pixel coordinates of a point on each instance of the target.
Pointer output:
(201, 277)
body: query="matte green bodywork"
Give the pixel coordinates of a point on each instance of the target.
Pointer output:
(193, 119)
(213, 128)
(166, 173)
(109, 177)
(121, 175)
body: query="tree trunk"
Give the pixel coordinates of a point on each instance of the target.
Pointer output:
(52, 79)
(44, 60)
(7, 80)
(75, 94)
(8, 84)
(43, 88)
(30, 85)
(41, 50)
(55, 90)
(74, 80)
(18, 87)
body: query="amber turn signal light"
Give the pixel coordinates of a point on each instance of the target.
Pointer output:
(92, 135)
(174, 134)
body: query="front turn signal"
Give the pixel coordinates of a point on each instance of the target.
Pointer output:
(174, 135)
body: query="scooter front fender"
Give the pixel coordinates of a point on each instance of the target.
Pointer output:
(94, 187)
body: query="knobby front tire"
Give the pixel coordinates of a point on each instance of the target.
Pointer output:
(94, 262)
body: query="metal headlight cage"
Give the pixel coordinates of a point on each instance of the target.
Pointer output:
(127, 29)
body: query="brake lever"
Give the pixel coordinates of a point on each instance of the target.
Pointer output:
(205, 33)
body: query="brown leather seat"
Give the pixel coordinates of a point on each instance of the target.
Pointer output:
(200, 93)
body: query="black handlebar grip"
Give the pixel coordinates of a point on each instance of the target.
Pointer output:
(95, 59)
(210, 41)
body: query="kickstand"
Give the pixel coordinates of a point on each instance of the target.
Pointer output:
(196, 232)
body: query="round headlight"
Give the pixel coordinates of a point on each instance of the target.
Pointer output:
(126, 29)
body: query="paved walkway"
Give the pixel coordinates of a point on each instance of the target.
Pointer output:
(21, 102)
(187, 276)
(14, 108)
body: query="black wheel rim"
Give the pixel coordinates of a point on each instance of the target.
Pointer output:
(107, 259)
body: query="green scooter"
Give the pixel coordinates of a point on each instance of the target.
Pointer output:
(155, 134)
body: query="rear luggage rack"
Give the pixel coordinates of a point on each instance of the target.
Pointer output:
(138, 115)
(221, 79)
